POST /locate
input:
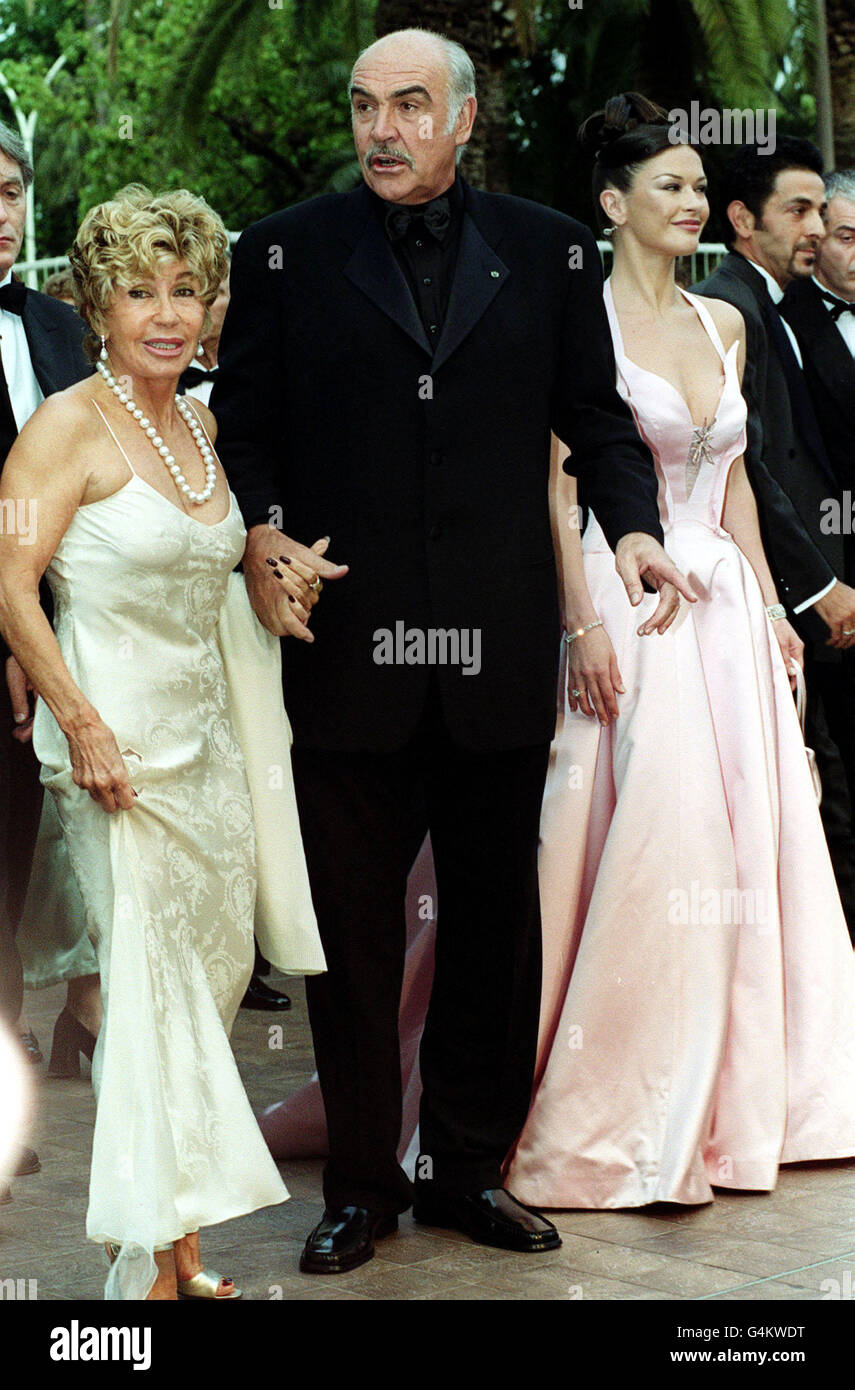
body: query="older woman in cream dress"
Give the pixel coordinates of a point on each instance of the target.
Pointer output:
(139, 727)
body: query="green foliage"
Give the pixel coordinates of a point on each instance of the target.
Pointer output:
(244, 101)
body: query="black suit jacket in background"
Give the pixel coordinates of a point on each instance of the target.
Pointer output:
(430, 472)
(55, 335)
(785, 457)
(829, 369)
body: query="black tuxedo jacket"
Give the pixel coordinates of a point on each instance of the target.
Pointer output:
(429, 470)
(786, 459)
(829, 371)
(55, 336)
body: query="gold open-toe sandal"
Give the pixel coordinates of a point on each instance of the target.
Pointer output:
(205, 1285)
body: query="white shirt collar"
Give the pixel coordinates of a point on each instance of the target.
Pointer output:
(775, 291)
(7, 278)
(825, 290)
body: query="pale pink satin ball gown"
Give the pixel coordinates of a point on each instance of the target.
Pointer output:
(698, 1018)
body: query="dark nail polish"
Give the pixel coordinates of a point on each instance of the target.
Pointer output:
(270, 562)
(290, 598)
(284, 559)
(278, 574)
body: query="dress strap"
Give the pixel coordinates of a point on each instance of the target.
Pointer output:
(113, 433)
(611, 311)
(707, 320)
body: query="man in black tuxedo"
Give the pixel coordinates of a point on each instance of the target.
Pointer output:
(40, 352)
(774, 207)
(391, 364)
(821, 312)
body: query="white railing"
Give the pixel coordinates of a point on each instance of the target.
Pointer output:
(700, 265)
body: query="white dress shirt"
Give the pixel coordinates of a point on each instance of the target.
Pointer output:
(24, 390)
(845, 322)
(776, 295)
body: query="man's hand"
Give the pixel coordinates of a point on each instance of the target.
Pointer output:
(641, 556)
(837, 610)
(19, 691)
(278, 573)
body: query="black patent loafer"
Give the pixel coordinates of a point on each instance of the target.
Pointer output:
(261, 996)
(344, 1239)
(491, 1217)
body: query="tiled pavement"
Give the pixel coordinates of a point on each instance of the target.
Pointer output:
(796, 1243)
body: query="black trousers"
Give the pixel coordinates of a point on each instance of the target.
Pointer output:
(363, 817)
(830, 731)
(20, 809)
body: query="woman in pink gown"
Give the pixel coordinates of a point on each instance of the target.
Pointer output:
(698, 1018)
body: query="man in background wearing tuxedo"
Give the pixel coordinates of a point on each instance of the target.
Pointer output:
(392, 362)
(774, 206)
(40, 352)
(821, 312)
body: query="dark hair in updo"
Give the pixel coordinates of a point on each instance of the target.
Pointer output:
(629, 130)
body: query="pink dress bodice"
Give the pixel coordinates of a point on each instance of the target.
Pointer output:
(692, 461)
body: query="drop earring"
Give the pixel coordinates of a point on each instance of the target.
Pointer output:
(200, 350)
(103, 353)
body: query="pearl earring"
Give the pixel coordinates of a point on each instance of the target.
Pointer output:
(103, 353)
(610, 230)
(199, 350)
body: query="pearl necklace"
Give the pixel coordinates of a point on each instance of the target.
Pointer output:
(190, 420)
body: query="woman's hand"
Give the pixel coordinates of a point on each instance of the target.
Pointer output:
(97, 765)
(592, 669)
(792, 646)
(20, 688)
(279, 572)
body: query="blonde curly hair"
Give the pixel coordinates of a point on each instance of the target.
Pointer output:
(132, 235)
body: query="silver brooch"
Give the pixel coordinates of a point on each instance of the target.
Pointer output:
(699, 452)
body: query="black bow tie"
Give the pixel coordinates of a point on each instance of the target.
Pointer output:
(191, 376)
(13, 297)
(838, 306)
(435, 216)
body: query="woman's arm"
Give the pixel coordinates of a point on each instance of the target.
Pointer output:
(51, 492)
(740, 519)
(740, 516)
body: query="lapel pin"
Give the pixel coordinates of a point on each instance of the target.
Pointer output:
(495, 274)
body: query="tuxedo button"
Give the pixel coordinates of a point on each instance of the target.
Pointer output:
(432, 328)
(427, 280)
(436, 458)
(435, 532)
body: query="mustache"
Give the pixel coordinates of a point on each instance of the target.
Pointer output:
(390, 154)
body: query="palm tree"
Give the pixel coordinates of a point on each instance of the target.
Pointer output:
(493, 34)
(841, 52)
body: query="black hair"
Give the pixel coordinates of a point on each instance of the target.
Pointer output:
(629, 130)
(749, 176)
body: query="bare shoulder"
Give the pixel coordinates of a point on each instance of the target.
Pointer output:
(727, 319)
(207, 417)
(59, 432)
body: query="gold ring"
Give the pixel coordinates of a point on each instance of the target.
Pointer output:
(317, 585)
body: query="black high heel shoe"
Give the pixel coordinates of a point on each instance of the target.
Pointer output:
(70, 1039)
